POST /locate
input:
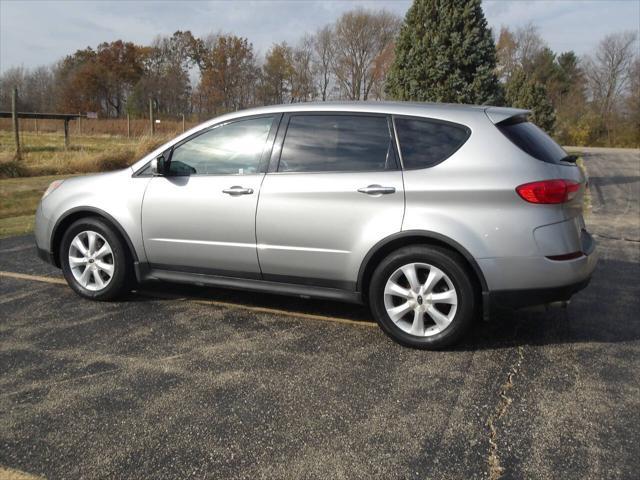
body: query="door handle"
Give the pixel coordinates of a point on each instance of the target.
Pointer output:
(377, 190)
(237, 190)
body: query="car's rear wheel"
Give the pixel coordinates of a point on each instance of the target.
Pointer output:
(422, 297)
(94, 260)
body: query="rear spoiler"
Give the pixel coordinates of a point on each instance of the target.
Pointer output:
(505, 114)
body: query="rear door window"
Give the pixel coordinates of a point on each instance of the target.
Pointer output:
(533, 140)
(425, 143)
(337, 143)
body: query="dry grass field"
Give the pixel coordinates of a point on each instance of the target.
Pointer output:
(44, 154)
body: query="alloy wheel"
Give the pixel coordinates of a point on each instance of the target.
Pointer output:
(420, 299)
(91, 260)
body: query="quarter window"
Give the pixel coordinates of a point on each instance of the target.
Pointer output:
(337, 143)
(533, 140)
(230, 149)
(424, 143)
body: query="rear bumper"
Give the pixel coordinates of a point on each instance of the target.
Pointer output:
(538, 272)
(537, 296)
(528, 281)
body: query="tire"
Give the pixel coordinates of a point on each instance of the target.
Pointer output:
(451, 296)
(112, 264)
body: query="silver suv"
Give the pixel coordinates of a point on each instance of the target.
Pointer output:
(430, 213)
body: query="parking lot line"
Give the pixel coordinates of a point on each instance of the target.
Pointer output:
(34, 278)
(228, 305)
(7, 473)
(274, 311)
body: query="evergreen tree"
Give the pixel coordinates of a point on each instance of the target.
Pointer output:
(523, 92)
(445, 53)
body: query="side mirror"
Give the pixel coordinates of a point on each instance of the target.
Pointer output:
(158, 165)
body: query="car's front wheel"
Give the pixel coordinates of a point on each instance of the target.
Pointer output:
(94, 260)
(422, 297)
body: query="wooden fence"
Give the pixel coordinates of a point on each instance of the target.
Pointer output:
(102, 126)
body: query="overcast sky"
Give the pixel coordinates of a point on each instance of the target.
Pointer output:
(36, 32)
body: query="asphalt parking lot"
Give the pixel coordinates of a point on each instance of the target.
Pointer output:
(178, 382)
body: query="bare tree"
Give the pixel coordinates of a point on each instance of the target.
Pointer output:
(360, 37)
(322, 61)
(14, 77)
(633, 100)
(302, 84)
(529, 46)
(608, 74)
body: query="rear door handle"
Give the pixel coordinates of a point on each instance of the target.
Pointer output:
(237, 190)
(377, 190)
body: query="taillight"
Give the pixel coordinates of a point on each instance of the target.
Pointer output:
(548, 191)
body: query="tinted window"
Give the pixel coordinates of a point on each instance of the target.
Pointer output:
(336, 143)
(424, 143)
(533, 140)
(231, 149)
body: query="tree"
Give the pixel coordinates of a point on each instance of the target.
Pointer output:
(381, 66)
(445, 53)
(101, 79)
(14, 77)
(228, 74)
(166, 79)
(359, 38)
(302, 81)
(529, 46)
(574, 121)
(633, 104)
(523, 92)
(608, 75)
(276, 74)
(322, 60)
(119, 66)
(507, 54)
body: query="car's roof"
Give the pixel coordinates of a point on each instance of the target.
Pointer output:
(444, 111)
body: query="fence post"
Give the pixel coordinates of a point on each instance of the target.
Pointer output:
(128, 126)
(79, 123)
(153, 127)
(183, 130)
(66, 133)
(14, 116)
(37, 131)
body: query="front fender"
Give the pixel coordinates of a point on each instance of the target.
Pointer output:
(116, 196)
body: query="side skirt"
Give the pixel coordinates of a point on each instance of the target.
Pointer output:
(144, 272)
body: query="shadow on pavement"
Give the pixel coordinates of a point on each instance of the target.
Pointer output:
(605, 312)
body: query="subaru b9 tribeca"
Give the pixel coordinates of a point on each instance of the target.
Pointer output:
(429, 213)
